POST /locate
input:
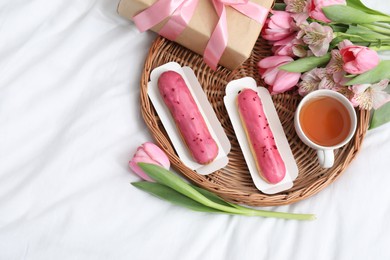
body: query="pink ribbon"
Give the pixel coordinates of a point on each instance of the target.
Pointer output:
(180, 13)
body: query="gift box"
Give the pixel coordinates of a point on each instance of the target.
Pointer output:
(242, 30)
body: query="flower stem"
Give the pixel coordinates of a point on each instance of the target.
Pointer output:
(383, 25)
(239, 210)
(359, 39)
(378, 29)
(264, 213)
(381, 48)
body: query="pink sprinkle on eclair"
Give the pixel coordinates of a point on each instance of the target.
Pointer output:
(269, 163)
(185, 112)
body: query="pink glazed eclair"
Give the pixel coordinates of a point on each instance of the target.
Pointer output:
(190, 122)
(269, 163)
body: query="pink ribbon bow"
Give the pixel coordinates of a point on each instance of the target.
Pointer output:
(180, 13)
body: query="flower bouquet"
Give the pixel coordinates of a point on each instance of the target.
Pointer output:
(333, 44)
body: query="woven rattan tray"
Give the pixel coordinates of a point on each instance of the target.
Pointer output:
(234, 182)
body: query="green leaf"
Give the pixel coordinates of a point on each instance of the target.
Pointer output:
(380, 116)
(374, 30)
(306, 64)
(366, 33)
(211, 196)
(348, 15)
(279, 6)
(169, 179)
(380, 48)
(357, 4)
(166, 193)
(339, 27)
(382, 71)
(204, 197)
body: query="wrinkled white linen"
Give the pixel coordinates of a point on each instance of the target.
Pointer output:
(70, 121)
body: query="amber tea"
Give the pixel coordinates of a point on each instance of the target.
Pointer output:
(325, 121)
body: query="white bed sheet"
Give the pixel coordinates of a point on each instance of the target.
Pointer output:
(70, 121)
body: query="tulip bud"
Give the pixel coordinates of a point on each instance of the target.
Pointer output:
(358, 59)
(278, 80)
(148, 153)
(279, 26)
(315, 8)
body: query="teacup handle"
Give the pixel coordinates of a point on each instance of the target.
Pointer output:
(325, 158)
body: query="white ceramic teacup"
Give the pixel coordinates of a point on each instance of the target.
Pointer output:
(325, 153)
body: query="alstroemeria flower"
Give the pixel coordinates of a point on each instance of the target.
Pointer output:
(300, 49)
(299, 9)
(148, 153)
(296, 6)
(317, 37)
(348, 93)
(368, 96)
(335, 68)
(329, 81)
(318, 78)
(336, 62)
(315, 8)
(279, 80)
(310, 81)
(358, 59)
(279, 26)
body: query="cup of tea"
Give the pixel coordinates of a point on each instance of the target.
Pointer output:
(325, 120)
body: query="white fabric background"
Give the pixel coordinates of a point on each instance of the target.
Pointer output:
(70, 121)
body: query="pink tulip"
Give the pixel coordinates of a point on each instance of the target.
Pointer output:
(315, 8)
(148, 153)
(358, 59)
(279, 26)
(279, 80)
(344, 43)
(285, 46)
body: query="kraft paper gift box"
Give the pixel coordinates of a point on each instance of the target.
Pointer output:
(242, 30)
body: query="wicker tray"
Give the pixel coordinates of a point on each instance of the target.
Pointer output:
(233, 182)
